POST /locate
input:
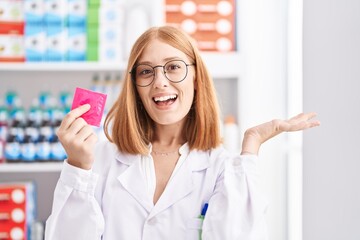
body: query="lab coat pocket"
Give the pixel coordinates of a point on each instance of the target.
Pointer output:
(193, 229)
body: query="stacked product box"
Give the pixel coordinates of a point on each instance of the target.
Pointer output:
(210, 22)
(11, 31)
(35, 35)
(111, 28)
(105, 23)
(55, 30)
(17, 210)
(76, 32)
(92, 30)
(61, 30)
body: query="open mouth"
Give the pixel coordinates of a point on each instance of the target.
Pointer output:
(165, 100)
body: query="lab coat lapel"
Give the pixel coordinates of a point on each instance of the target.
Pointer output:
(181, 183)
(133, 181)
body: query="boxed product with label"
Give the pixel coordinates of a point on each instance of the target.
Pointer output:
(17, 209)
(12, 48)
(112, 13)
(76, 13)
(55, 43)
(111, 53)
(76, 44)
(212, 23)
(11, 11)
(111, 34)
(35, 42)
(55, 11)
(34, 11)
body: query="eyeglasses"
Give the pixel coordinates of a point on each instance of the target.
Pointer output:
(144, 74)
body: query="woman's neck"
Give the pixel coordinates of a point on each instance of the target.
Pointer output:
(168, 136)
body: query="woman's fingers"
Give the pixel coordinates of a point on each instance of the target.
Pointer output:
(69, 135)
(73, 115)
(255, 136)
(301, 121)
(77, 126)
(85, 133)
(303, 117)
(77, 138)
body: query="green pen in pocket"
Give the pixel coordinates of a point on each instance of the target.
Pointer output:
(202, 216)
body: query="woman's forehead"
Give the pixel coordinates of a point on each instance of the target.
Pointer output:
(158, 51)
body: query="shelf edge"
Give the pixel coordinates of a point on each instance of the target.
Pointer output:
(31, 167)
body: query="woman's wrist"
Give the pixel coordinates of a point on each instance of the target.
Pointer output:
(84, 166)
(250, 144)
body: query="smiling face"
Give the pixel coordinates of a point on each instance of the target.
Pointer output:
(166, 102)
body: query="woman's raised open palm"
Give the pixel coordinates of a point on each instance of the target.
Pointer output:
(255, 136)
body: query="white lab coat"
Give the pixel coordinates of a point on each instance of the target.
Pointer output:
(111, 202)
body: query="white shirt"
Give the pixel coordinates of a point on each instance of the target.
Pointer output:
(113, 201)
(148, 168)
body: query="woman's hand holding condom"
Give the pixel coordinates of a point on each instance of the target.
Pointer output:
(78, 138)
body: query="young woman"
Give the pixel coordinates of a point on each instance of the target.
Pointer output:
(163, 164)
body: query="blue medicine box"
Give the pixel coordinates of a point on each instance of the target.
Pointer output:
(35, 41)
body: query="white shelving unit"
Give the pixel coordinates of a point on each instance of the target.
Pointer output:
(31, 167)
(63, 66)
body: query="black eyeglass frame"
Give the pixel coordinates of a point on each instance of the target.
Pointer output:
(133, 71)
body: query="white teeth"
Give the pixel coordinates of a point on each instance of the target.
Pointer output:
(164, 98)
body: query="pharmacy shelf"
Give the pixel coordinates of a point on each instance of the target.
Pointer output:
(61, 66)
(31, 167)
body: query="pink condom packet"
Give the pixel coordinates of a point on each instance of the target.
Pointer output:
(97, 102)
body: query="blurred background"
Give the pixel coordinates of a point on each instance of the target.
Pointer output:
(268, 59)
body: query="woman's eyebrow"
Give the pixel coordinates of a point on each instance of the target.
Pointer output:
(164, 60)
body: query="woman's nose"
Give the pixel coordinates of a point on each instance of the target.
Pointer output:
(160, 79)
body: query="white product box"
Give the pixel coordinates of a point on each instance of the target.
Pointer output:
(55, 43)
(34, 11)
(35, 42)
(55, 11)
(11, 46)
(111, 34)
(111, 13)
(76, 44)
(111, 53)
(11, 11)
(76, 12)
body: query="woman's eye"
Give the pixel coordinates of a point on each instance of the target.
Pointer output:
(145, 72)
(173, 67)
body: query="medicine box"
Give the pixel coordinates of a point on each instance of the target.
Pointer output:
(76, 43)
(11, 11)
(55, 43)
(76, 13)
(12, 48)
(55, 12)
(35, 42)
(17, 209)
(34, 11)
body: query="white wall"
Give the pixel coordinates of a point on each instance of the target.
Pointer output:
(263, 45)
(332, 88)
